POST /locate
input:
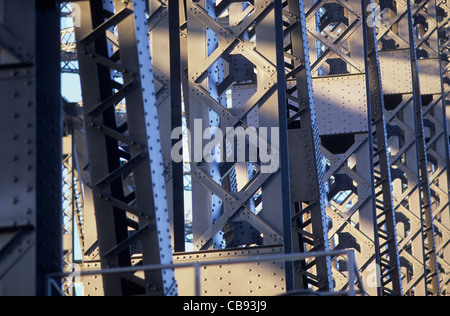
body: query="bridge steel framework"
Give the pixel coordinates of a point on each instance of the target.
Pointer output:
(353, 93)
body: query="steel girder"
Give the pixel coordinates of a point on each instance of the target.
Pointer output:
(332, 31)
(309, 219)
(30, 219)
(388, 193)
(443, 237)
(124, 147)
(165, 45)
(338, 60)
(389, 271)
(213, 51)
(18, 236)
(435, 123)
(79, 231)
(70, 205)
(421, 160)
(82, 201)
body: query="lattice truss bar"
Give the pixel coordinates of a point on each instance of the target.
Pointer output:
(332, 26)
(18, 220)
(243, 198)
(442, 240)
(68, 43)
(412, 35)
(30, 227)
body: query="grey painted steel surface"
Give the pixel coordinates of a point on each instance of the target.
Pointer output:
(30, 218)
(444, 259)
(343, 59)
(389, 270)
(309, 219)
(337, 54)
(214, 45)
(364, 158)
(168, 96)
(124, 152)
(414, 153)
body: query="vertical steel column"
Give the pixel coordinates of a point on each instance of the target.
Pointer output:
(217, 48)
(126, 164)
(31, 219)
(443, 17)
(386, 222)
(68, 208)
(202, 41)
(412, 195)
(176, 119)
(337, 54)
(432, 275)
(309, 219)
(435, 122)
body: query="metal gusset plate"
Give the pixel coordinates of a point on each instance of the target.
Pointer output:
(443, 17)
(343, 106)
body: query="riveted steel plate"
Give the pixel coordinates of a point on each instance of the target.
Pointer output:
(429, 76)
(341, 104)
(240, 95)
(395, 71)
(248, 279)
(92, 284)
(301, 162)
